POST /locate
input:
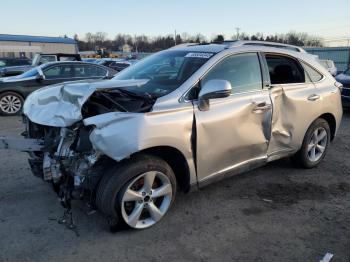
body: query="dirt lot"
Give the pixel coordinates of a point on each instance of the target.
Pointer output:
(275, 213)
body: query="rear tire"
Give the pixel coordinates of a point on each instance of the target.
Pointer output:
(315, 144)
(10, 104)
(138, 192)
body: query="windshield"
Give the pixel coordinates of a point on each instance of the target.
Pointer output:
(166, 71)
(30, 73)
(347, 72)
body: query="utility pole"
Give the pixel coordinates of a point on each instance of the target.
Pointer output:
(237, 30)
(175, 37)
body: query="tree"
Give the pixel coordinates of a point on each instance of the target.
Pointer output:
(219, 39)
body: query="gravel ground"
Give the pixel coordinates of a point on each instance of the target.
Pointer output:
(275, 213)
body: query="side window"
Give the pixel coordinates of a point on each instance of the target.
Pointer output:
(242, 71)
(57, 72)
(88, 71)
(311, 74)
(47, 59)
(284, 70)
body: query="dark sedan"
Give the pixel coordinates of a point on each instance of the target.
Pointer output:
(13, 90)
(116, 64)
(344, 78)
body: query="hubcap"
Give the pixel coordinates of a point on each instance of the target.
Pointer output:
(10, 104)
(146, 199)
(317, 144)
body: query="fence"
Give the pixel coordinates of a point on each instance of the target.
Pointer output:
(340, 55)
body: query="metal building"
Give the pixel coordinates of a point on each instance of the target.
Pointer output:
(340, 55)
(28, 46)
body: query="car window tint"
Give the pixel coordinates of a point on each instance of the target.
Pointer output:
(311, 73)
(89, 71)
(57, 72)
(242, 71)
(47, 59)
(284, 70)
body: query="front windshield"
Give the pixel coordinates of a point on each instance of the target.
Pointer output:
(31, 73)
(347, 72)
(166, 71)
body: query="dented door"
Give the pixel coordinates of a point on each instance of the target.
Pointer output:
(295, 108)
(233, 133)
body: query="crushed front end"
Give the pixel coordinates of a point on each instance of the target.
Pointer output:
(67, 160)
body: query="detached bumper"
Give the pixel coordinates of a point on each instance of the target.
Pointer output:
(21, 144)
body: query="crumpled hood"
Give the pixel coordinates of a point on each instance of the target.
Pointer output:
(60, 105)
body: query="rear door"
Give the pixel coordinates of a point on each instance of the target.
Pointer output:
(296, 102)
(57, 74)
(86, 71)
(234, 133)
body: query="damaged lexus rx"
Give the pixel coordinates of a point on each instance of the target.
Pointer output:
(178, 120)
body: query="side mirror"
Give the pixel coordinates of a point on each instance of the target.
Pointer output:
(213, 89)
(40, 76)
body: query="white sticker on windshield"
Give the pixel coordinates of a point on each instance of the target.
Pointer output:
(199, 55)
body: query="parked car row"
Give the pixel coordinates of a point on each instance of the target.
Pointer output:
(13, 90)
(117, 64)
(19, 66)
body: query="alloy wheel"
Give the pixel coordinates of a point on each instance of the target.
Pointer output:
(317, 144)
(146, 199)
(10, 104)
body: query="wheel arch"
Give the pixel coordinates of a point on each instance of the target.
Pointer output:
(332, 122)
(177, 162)
(13, 91)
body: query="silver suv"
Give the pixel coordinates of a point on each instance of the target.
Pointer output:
(179, 119)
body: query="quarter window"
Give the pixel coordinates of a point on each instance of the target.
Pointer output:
(311, 73)
(284, 70)
(86, 71)
(242, 71)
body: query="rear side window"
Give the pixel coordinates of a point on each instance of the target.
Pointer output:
(311, 73)
(242, 71)
(87, 71)
(284, 70)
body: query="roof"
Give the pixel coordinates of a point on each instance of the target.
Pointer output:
(38, 39)
(193, 47)
(218, 47)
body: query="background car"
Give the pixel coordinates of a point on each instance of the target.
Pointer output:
(344, 78)
(39, 59)
(330, 66)
(116, 63)
(6, 62)
(13, 90)
(90, 60)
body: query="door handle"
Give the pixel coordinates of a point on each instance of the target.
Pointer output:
(313, 97)
(261, 107)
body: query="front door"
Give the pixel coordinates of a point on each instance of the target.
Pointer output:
(234, 133)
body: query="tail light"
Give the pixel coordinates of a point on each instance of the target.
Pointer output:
(339, 85)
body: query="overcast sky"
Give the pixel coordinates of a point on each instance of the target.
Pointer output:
(326, 18)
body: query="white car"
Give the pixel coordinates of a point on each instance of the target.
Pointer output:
(329, 65)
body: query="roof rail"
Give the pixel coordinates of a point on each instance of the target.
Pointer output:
(235, 43)
(183, 45)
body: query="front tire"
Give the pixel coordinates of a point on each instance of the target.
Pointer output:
(138, 192)
(10, 104)
(315, 144)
